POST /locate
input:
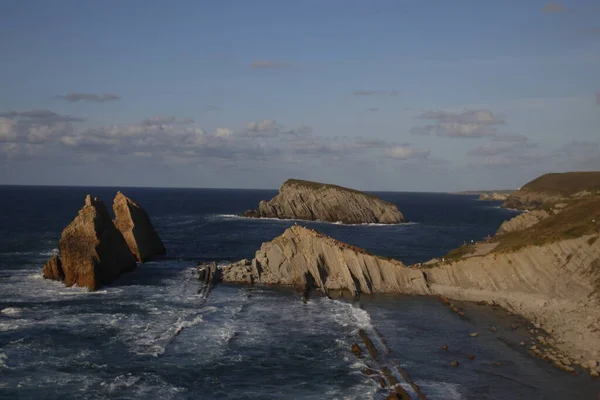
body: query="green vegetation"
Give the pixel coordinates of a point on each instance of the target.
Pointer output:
(580, 218)
(565, 184)
(322, 186)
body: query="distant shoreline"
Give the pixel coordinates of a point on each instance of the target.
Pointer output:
(480, 192)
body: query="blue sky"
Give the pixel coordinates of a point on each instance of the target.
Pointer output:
(378, 95)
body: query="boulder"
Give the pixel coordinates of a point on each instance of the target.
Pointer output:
(136, 227)
(53, 269)
(93, 252)
(315, 201)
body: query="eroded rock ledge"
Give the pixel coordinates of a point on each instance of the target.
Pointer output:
(307, 259)
(315, 201)
(556, 285)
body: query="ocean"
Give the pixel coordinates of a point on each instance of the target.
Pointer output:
(150, 335)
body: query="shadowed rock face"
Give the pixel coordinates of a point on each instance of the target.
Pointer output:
(317, 201)
(53, 269)
(93, 252)
(137, 229)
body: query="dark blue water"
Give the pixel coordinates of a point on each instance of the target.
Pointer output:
(150, 335)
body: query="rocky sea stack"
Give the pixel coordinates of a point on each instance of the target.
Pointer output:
(315, 201)
(93, 252)
(136, 227)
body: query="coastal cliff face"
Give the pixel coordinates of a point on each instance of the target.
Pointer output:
(92, 251)
(522, 221)
(556, 285)
(493, 196)
(307, 259)
(553, 188)
(548, 272)
(135, 225)
(322, 202)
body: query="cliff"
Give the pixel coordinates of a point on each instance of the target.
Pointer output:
(553, 188)
(548, 272)
(306, 259)
(93, 252)
(137, 229)
(493, 196)
(323, 202)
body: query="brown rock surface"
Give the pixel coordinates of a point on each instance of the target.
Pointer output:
(92, 251)
(136, 227)
(53, 269)
(312, 201)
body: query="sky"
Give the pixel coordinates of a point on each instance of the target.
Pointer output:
(396, 95)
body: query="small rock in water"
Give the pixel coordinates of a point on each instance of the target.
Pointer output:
(522, 344)
(494, 329)
(356, 349)
(445, 347)
(454, 363)
(474, 334)
(534, 347)
(513, 326)
(497, 364)
(594, 373)
(471, 357)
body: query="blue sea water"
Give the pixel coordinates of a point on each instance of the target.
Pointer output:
(150, 335)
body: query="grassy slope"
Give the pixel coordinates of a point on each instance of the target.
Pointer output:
(580, 218)
(321, 186)
(565, 184)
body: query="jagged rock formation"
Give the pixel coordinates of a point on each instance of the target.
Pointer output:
(548, 272)
(493, 196)
(137, 229)
(53, 269)
(93, 252)
(323, 202)
(307, 259)
(522, 221)
(552, 188)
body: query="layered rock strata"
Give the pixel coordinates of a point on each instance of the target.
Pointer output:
(137, 229)
(307, 259)
(557, 284)
(323, 202)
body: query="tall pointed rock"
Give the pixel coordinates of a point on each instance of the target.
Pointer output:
(93, 252)
(136, 227)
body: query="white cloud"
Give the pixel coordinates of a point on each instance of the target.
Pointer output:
(405, 152)
(224, 133)
(466, 124)
(73, 97)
